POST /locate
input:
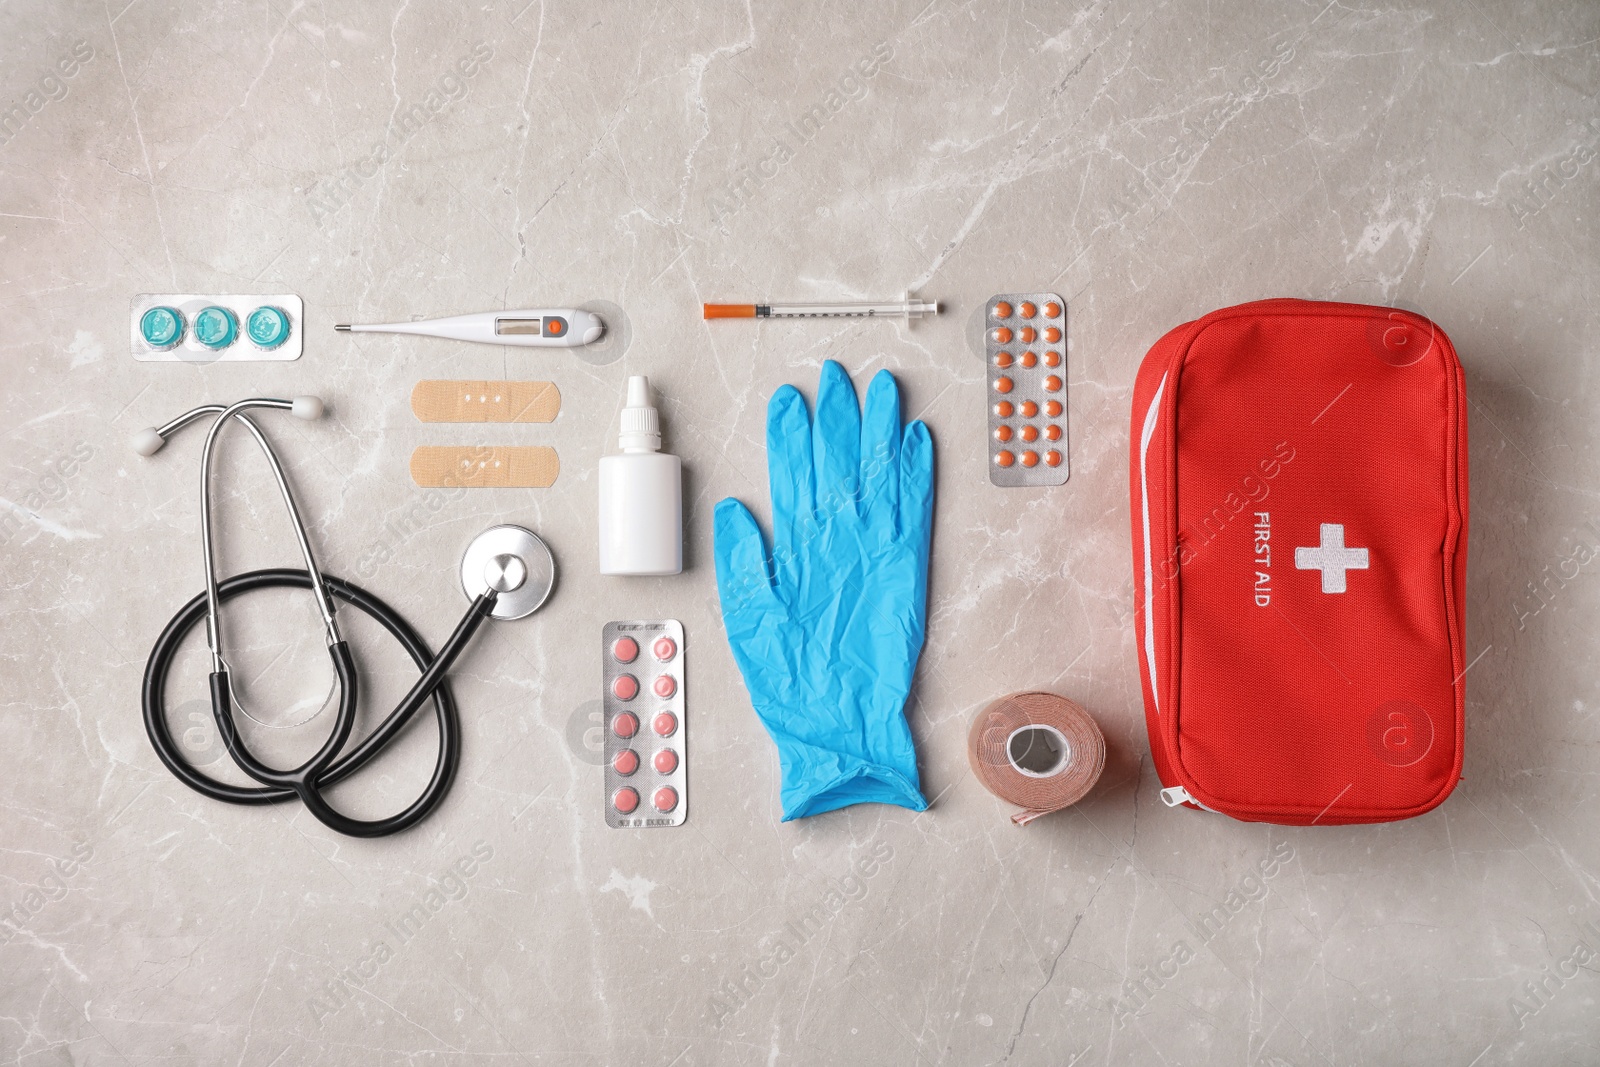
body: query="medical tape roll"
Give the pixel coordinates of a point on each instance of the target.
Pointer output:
(1038, 751)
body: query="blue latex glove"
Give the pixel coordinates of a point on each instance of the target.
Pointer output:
(827, 627)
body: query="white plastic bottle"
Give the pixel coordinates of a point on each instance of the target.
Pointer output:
(641, 495)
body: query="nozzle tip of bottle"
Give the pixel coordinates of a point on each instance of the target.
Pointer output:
(638, 391)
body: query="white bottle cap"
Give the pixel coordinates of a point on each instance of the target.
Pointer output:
(641, 425)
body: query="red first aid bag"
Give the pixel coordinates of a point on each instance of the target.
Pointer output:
(1299, 505)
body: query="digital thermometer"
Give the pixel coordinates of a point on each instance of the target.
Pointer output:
(541, 328)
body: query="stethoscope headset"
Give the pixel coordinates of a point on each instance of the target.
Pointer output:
(507, 572)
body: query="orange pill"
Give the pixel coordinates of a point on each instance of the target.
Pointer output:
(1052, 359)
(1052, 384)
(1004, 458)
(1002, 310)
(1029, 359)
(1002, 433)
(1003, 409)
(1027, 334)
(1053, 432)
(1029, 409)
(1030, 459)
(1002, 359)
(1027, 310)
(1052, 310)
(1001, 335)
(1030, 433)
(1003, 384)
(1053, 458)
(1052, 334)
(1052, 408)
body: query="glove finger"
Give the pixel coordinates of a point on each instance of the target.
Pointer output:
(744, 572)
(790, 473)
(880, 452)
(916, 482)
(836, 441)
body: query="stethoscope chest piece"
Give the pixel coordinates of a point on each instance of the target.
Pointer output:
(514, 562)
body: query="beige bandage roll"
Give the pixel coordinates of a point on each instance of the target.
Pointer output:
(484, 466)
(439, 400)
(1038, 751)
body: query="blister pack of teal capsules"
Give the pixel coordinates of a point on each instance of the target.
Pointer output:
(195, 328)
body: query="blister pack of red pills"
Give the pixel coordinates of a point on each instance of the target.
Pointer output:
(1025, 343)
(646, 764)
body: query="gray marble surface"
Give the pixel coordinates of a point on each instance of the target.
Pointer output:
(1150, 161)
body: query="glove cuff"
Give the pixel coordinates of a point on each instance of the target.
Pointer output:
(843, 780)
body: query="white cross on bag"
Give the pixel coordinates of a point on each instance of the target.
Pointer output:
(1331, 558)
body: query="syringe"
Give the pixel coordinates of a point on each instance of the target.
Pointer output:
(909, 308)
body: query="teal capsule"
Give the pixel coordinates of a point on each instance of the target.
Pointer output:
(161, 328)
(267, 327)
(216, 327)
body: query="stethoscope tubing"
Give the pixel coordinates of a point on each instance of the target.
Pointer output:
(326, 768)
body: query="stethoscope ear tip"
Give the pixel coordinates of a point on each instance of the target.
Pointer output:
(147, 442)
(306, 407)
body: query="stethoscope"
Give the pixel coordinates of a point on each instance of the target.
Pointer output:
(507, 573)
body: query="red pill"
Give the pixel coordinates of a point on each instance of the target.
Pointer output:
(1003, 384)
(664, 649)
(1003, 409)
(626, 763)
(665, 686)
(626, 687)
(625, 800)
(666, 761)
(625, 724)
(626, 649)
(1030, 459)
(666, 798)
(666, 724)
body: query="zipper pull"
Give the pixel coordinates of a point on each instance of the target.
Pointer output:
(1175, 796)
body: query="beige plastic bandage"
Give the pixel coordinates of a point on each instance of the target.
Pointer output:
(465, 401)
(484, 467)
